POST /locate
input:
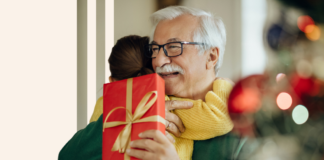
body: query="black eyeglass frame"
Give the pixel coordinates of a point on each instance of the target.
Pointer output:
(150, 53)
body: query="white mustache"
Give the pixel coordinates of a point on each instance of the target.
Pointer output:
(169, 68)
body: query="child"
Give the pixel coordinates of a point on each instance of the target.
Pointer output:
(126, 60)
(203, 121)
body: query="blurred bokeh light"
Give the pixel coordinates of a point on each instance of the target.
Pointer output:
(304, 21)
(318, 67)
(304, 68)
(300, 114)
(284, 100)
(248, 100)
(304, 86)
(246, 95)
(313, 32)
(279, 77)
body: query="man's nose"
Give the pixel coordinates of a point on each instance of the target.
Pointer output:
(161, 59)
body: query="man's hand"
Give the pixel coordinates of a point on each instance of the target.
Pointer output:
(160, 148)
(174, 123)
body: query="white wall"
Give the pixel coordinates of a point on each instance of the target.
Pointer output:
(253, 52)
(133, 17)
(38, 78)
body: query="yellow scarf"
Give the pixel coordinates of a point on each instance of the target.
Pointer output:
(203, 121)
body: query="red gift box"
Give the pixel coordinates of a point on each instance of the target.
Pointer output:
(130, 107)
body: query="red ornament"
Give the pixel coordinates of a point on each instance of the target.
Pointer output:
(304, 86)
(246, 95)
(244, 101)
(311, 93)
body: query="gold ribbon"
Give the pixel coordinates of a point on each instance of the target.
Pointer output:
(123, 139)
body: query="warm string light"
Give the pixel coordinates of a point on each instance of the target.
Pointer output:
(313, 32)
(280, 77)
(304, 21)
(306, 24)
(248, 100)
(284, 100)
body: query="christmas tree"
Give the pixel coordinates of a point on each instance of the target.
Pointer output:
(280, 114)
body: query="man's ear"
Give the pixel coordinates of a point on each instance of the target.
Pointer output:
(212, 58)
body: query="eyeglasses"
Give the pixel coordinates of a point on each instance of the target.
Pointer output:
(171, 49)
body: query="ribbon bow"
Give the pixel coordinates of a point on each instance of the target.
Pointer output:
(123, 139)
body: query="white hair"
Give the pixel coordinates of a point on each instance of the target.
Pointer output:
(211, 30)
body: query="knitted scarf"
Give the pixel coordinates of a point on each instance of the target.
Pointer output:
(204, 120)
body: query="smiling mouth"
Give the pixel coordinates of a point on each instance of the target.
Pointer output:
(168, 74)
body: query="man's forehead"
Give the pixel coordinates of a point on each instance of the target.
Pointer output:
(169, 40)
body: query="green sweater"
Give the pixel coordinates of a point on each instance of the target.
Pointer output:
(87, 144)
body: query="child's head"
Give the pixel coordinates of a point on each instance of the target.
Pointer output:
(127, 58)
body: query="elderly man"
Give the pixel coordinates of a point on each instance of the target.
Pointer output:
(187, 50)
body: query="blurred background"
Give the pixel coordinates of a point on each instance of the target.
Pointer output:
(54, 63)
